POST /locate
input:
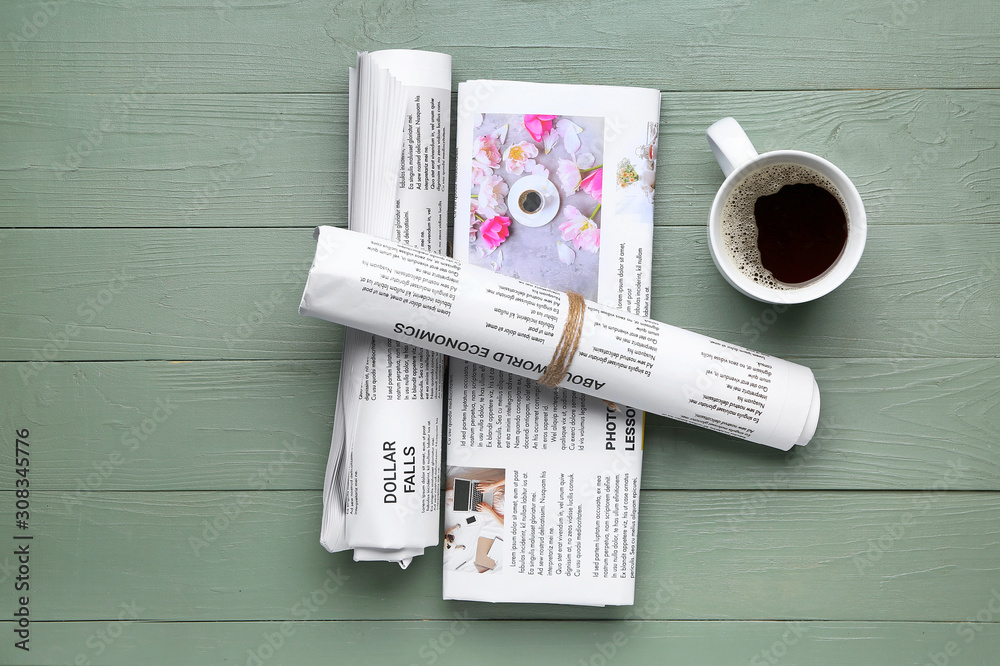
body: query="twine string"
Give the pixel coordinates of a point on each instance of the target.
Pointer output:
(569, 341)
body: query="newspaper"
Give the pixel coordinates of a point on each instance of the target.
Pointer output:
(381, 494)
(542, 485)
(475, 314)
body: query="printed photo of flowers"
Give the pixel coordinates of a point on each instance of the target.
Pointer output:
(551, 233)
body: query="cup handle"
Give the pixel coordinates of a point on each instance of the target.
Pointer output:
(730, 145)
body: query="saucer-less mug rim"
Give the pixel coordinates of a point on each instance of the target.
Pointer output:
(829, 280)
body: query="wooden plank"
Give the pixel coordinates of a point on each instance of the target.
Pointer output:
(254, 556)
(236, 425)
(173, 160)
(167, 425)
(279, 160)
(145, 294)
(915, 156)
(883, 425)
(257, 45)
(459, 641)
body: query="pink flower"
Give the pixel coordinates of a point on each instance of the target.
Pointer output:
(489, 202)
(494, 231)
(592, 183)
(480, 172)
(569, 176)
(538, 126)
(580, 229)
(589, 239)
(486, 151)
(518, 157)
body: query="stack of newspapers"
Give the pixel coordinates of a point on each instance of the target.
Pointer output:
(552, 253)
(554, 186)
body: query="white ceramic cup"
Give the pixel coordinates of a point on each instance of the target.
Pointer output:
(738, 159)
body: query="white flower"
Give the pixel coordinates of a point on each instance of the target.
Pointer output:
(480, 172)
(518, 157)
(538, 170)
(569, 176)
(490, 201)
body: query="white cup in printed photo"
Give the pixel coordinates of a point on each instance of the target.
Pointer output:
(738, 160)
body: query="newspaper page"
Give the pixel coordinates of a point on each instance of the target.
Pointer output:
(555, 187)
(381, 494)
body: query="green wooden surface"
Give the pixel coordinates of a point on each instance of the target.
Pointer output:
(243, 555)
(196, 160)
(161, 166)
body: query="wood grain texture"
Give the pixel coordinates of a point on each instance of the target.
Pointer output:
(903, 556)
(260, 45)
(452, 641)
(266, 425)
(161, 165)
(191, 160)
(144, 294)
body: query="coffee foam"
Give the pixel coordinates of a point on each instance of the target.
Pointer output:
(739, 228)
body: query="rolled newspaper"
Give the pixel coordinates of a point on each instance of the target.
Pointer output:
(472, 313)
(380, 500)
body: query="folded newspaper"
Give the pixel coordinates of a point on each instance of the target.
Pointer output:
(542, 485)
(381, 494)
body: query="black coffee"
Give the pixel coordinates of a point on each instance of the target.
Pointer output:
(530, 201)
(791, 248)
(801, 231)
